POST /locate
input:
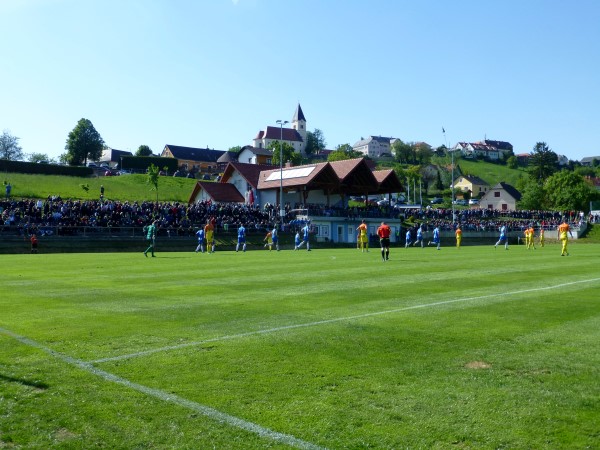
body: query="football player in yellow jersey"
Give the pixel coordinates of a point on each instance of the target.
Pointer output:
(562, 231)
(209, 231)
(542, 238)
(458, 234)
(363, 238)
(531, 235)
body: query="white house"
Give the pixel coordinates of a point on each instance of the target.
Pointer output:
(255, 155)
(502, 197)
(375, 146)
(295, 136)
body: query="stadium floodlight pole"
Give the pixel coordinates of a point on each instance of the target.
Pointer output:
(281, 208)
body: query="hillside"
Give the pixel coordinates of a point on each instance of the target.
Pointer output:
(122, 188)
(489, 172)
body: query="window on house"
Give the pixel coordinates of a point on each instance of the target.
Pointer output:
(504, 207)
(497, 194)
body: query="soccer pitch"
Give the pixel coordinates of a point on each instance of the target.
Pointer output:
(333, 348)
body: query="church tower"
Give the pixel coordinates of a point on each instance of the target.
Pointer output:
(299, 124)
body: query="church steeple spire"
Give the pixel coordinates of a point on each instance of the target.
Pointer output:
(299, 124)
(299, 115)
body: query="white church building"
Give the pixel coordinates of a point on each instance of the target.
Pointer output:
(295, 136)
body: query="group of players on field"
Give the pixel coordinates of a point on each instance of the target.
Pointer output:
(206, 241)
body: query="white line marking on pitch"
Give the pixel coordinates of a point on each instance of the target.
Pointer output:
(171, 398)
(327, 321)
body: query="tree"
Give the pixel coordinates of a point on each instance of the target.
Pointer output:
(315, 141)
(543, 162)
(9, 147)
(533, 196)
(402, 151)
(236, 149)
(289, 154)
(153, 177)
(84, 143)
(38, 157)
(423, 153)
(567, 190)
(438, 183)
(63, 158)
(512, 162)
(342, 152)
(143, 150)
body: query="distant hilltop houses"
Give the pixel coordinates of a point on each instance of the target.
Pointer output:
(295, 131)
(489, 149)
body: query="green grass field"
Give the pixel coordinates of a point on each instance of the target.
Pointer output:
(469, 348)
(122, 188)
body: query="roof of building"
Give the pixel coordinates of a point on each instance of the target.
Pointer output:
(194, 154)
(258, 150)
(313, 176)
(388, 181)
(500, 145)
(218, 192)
(589, 159)
(112, 154)
(250, 172)
(473, 180)
(277, 133)
(379, 139)
(355, 175)
(511, 190)
(298, 114)
(227, 157)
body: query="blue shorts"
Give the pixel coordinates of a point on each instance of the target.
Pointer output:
(241, 240)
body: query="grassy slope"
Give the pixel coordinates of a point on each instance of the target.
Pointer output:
(514, 370)
(491, 173)
(125, 187)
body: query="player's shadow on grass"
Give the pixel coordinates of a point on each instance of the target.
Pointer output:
(35, 384)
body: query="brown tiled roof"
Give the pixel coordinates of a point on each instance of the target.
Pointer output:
(388, 181)
(218, 192)
(355, 176)
(275, 133)
(321, 177)
(250, 172)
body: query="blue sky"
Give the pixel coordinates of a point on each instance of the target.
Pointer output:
(215, 72)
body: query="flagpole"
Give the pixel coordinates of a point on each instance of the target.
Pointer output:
(452, 169)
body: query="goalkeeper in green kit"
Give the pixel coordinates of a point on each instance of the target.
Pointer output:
(150, 237)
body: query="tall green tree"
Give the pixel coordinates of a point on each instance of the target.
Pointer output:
(533, 196)
(235, 149)
(289, 154)
(9, 147)
(315, 141)
(143, 150)
(403, 152)
(566, 190)
(153, 177)
(84, 143)
(543, 162)
(423, 153)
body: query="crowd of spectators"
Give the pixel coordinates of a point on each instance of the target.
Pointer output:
(69, 217)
